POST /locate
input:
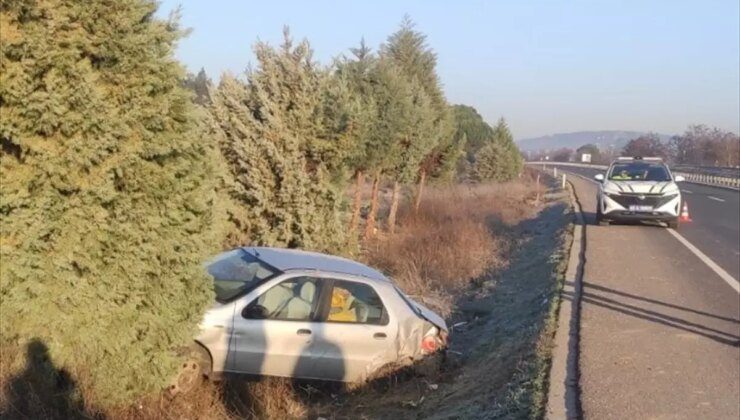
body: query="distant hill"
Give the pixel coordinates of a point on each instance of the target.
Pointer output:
(603, 139)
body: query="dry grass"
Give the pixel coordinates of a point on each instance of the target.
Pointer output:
(451, 240)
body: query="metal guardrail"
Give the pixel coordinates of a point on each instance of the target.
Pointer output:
(696, 178)
(722, 171)
(713, 180)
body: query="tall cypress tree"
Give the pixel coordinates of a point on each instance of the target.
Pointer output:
(105, 210)
(403, 115)
(358, 72)
(408, 49)
(279, 155)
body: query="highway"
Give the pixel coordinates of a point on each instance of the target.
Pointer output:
(659, 326)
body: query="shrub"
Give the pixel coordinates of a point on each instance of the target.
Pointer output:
(106, 197)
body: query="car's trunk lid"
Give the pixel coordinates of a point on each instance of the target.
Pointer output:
(428, 314)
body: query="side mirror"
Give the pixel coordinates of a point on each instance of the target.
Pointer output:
(599, 177)
(255, 312)
(679, 178)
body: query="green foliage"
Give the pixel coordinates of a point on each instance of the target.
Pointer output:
(500, 159)
(200, 85)
(469, 123)
(427, 137)
(282, 150)
(450, 159)
(491, 163)
(378, 95)
(106, 193)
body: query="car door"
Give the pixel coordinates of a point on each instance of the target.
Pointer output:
(274, 332)
(357, 335)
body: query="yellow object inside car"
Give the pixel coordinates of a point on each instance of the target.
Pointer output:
(341, 301)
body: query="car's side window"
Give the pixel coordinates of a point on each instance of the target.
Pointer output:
(293, 299)
(356, 303)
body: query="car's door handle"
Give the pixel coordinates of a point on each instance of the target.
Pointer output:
(379, 336)
(303, 331)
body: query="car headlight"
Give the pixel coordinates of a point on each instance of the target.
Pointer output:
(669, 197)
(673, 191)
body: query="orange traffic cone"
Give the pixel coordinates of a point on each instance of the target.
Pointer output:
(684, 218)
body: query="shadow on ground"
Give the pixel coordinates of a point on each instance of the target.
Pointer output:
(43, 391)
(629, 304)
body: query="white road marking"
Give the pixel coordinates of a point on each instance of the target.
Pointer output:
(715, 199)
(724, 275)
(687, 191)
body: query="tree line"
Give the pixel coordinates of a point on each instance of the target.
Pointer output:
(699, 145)
(120, 175)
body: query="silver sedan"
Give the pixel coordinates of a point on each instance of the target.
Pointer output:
(300, 314)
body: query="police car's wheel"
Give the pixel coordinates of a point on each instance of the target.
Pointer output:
(600, 217)
(673, 224)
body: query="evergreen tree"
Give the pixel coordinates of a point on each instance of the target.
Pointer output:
(394, 102)
(106, 193)
(409, 50)
(363, 154)
(469, 123)
(491, 163)
(500, 159)
(200, 85)
(278, 151)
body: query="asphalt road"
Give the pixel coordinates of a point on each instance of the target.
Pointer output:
(715, 226)
(659, 329)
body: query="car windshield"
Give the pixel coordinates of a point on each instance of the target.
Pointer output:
(639, 171)
(236, 272)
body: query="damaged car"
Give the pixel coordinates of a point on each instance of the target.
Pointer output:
(290, 313)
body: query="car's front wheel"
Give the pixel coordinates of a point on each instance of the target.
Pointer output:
(673, 224)
(599, 216)
(195, 367)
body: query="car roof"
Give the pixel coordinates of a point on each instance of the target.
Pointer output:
(293, 259)
(637, 159)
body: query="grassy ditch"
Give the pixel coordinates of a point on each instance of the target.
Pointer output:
(483, 255)
(505, 322)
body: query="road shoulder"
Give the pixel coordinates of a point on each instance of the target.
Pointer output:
(563, 392)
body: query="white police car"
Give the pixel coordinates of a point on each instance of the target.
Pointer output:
(638, 189)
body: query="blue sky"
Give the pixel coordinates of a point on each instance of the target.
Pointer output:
(546, 66)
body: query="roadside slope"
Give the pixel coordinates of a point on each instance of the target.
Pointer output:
(659, 329)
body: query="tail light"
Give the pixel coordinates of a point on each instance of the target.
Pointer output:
(429, 344)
